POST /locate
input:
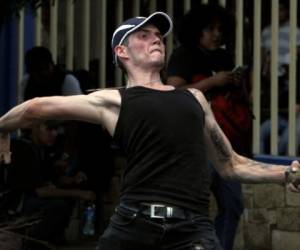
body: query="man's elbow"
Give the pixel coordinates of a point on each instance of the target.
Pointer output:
(228, 174)
(32, 111)
(227, 171)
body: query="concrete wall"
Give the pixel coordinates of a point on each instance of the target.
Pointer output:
(271, 219)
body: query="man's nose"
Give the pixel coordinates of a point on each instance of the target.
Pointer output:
(156, 39)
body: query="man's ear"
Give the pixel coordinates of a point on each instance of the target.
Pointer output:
(121, 51)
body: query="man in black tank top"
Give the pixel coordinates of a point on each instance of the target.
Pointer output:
(168, 135)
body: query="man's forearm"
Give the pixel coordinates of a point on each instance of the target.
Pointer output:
(250, 171)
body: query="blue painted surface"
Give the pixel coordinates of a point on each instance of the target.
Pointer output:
(9, 57)
(280, 160)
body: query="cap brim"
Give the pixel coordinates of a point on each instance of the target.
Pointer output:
(159, 19)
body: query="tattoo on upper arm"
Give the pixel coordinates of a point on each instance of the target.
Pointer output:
(222, 148)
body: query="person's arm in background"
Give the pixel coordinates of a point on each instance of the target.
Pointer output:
(179, 73)
(232, 166)
(50, 190)
(219, 79)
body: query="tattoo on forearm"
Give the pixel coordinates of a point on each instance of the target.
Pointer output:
(223, 151)
(259, 164)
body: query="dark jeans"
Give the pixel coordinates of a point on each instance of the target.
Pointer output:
(129, 230)
(229, 200)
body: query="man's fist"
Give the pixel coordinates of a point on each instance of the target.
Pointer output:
(292, 177)
(5, 154)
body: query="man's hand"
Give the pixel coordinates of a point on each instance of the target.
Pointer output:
(292, 177)
(5, 154)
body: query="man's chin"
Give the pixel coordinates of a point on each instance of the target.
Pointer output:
(160, 66)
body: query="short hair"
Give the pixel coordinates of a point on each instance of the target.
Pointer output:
(117, 60)
(37, 58)
(191, 26)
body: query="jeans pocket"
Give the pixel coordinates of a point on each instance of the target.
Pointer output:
(123, 216)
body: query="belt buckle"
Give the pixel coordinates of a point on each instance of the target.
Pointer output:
(152, 211)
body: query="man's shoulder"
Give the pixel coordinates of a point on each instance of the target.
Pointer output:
(107, 91)
(198, 94)
(109, 95)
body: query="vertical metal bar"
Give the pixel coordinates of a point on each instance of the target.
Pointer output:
(152, 6)
(86, 34)
(70, 34)
(187, 6)
(274, 78)
(256, 75)
(136, 7)
(38, 27)
(170, 11)
(119, 20)
(239, 32)
(20, 27)
(103, 47)
(53, 29)
(292, 78)
(222, 3)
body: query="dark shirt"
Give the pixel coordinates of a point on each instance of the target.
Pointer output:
(46, 87)
(166, 159)
(195, 64)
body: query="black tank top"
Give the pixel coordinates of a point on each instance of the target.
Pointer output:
(161, 134)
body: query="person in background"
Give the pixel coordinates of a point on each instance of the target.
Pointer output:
(283, 83)
(201, 62)
(168, 136)
(44, 78)
(37, 176)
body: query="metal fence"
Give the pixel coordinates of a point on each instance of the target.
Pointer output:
(79, 31)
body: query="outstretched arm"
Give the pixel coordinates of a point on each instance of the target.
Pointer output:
(100, 107)
(229, 164)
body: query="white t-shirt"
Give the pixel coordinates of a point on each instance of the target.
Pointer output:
(283, 42)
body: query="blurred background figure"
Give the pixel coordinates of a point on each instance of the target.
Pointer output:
(283, 82)
(37, 177)
(44, 78)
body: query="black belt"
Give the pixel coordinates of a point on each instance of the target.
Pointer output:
(158, 211)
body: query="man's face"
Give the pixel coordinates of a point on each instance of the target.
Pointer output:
(146, 48)
(211, 38)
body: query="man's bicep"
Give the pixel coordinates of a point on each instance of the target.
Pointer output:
(218, 146)
(77, 107)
